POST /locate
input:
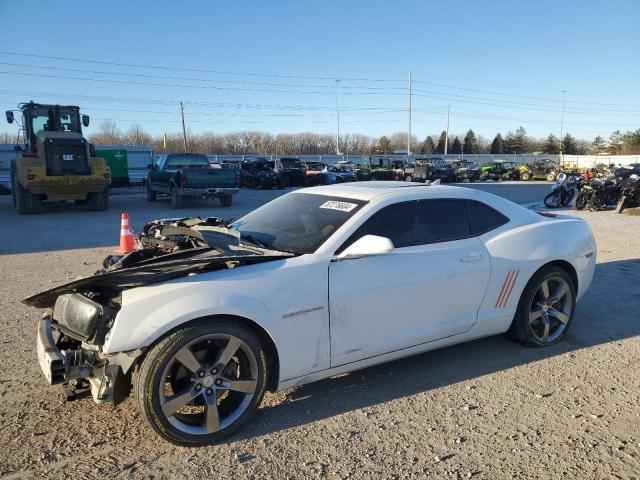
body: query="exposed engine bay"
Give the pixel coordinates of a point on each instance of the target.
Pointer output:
(167, 249)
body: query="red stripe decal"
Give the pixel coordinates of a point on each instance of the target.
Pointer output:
(513, 282)
(504, 285)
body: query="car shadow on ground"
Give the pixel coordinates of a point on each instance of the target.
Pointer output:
(597, 321)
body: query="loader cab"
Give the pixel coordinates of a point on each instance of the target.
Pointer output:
(50, 118)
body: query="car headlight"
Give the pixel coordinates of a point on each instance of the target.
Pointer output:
(82, 318)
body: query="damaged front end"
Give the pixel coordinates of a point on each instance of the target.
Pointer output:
(79, 314)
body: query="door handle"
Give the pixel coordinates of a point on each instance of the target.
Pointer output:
(471, 258)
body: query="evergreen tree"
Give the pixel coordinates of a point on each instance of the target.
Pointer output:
(428, 146)
(470, 144)
(441, 142)
(516, 142)
(616, 143)
(569, 145)
(497, 144)
(456, 146)
(551, 145)
(384, 145)
(598, 145)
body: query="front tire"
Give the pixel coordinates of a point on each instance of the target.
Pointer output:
(545, 309)
(553, 199)
(525, 177)
(580, 201)
(200, 384)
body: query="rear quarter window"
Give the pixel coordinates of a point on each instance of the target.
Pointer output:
(483, 218)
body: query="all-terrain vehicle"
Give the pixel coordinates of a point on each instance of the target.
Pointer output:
(376, 168)
(539, 170)
(56, 163)
(465, 171)
(431, 168)
(499, 170)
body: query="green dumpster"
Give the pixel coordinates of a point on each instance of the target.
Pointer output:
(119, 165)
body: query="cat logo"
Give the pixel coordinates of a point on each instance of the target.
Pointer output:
(67, 156)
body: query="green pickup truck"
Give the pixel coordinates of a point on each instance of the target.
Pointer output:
(182, 175)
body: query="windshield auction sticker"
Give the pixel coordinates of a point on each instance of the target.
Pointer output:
(342, 206)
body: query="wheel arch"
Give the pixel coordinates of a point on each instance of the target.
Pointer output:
(564, 265)
(265, 337)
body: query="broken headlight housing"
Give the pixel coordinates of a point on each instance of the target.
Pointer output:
(83, 318)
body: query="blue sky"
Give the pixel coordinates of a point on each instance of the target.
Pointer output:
(272, 66)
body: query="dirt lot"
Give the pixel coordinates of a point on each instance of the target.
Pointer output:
(487, 409)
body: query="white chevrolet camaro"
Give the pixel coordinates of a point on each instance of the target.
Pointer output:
(206, 316)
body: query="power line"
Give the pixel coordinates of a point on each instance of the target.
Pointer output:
(194, 70)
(150, 84)
(307, 77)
(209, 80)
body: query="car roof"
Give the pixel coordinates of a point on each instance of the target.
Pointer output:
(370, 190)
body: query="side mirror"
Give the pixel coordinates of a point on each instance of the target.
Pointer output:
(367, 246)
(9, 115)
(85, 120)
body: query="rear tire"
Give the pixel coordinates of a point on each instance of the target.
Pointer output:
(177, 201)
(551, 177)
(621, 204)
(525, 177)
(25, 202)
(540, 320)
(98, 201)
(202, 360)
(408, 178)
(151, 195)
(226, 200)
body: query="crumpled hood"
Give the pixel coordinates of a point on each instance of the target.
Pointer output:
(168, 249)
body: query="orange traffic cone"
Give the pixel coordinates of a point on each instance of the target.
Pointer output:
(126, 237)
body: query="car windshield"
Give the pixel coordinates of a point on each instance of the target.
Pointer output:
(187, 161)
(296, 222)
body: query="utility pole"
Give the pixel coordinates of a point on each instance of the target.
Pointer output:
(409, 135)
(184, 130)
(338, 116)
(446, 135)
(564, 92)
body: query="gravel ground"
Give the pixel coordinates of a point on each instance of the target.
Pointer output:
(487, 409)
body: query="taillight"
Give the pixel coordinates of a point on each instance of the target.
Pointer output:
(183, 176)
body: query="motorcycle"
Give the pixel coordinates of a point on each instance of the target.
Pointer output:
(563, 191)
(629, 193)
(597, 194)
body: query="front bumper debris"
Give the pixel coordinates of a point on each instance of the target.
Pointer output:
(78, 367)
(51, 360)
